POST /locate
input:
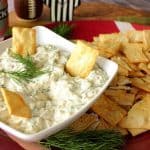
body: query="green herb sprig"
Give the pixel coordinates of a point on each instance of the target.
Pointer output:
(63, 29)
(31, 70)
(86, 140)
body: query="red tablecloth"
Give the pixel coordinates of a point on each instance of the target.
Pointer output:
(87, 30)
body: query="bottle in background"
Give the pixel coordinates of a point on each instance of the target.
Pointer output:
(3, 18)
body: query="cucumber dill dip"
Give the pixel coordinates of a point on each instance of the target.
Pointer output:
(51, 93)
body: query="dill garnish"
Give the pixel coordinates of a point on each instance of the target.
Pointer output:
(31, 70)
(26, 61)
(63, 29)
(86, 140)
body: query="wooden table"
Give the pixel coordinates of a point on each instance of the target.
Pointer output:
(87, 10)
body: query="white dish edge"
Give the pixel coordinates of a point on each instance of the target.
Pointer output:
(46, 36)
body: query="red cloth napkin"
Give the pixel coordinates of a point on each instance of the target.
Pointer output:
(87, 30)
(7, 144)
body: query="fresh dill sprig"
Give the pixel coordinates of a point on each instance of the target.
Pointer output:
(25, 75)
(26, 61)
(63, 29)
(86, 140)
(31, 70)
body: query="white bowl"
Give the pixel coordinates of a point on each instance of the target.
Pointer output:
(46, 36)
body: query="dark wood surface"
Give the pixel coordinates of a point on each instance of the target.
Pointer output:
(86, 11)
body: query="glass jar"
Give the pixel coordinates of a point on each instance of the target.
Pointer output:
(28, 9)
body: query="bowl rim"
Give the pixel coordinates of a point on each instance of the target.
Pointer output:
(53, 129)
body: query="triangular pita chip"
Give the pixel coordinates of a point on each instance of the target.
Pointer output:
(139, 115)
(15, 104)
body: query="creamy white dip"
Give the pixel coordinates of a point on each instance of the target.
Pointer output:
(54, 96)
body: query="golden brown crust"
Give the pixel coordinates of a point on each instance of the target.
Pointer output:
(108, 110)
(23, 41)
(15, 104)
(82, 60)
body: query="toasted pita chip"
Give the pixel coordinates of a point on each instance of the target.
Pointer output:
(148, 65)
(134, 90)
(139, 115)
(102, 52)
(134, 52)
(146, 35)
(93, 126)
(121, 61)
(144, 67)
(123, 68)
(23, 41)
(109, 47)
(122, 71)
(103, 125)
(108, 110)
(141, 84)
(123, 80)
(135, 36)
(82, 60)
(108, 37)
(15, 104)
(133, 67)
(116, 37)
(109, 43)
(114, 81)
(133, 79)
(127, 107)
(135, 132)
(147, 53)
(122, 97)
(140, 95)
(84, 122)
(123, 131)
(146, 78)
(138, 73)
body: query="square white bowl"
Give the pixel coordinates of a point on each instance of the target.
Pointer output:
(46, 36)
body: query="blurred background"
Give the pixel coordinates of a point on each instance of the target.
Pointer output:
(137, 4)
(136, 11)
